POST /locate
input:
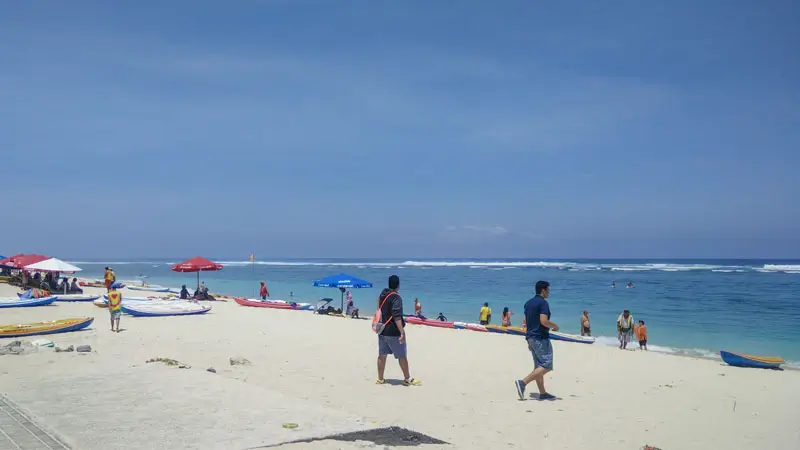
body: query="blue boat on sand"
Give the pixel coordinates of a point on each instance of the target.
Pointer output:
(757, 362)
(25, 302)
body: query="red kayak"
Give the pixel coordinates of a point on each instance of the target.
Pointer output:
(263, 303)
(431, 323)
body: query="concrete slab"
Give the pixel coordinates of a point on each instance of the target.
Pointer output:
(19, 432)
(157, 407)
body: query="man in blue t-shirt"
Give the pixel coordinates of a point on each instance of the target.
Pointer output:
(537, 316)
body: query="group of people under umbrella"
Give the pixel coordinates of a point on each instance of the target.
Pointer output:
(40, 272)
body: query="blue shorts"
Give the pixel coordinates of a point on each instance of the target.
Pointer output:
(391, 345)
(115, 315)
(542, 352)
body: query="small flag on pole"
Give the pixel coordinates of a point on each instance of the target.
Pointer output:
(252, 257)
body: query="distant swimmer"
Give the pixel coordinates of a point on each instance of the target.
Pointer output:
(630, 285)
(613, 284)
(441, 317)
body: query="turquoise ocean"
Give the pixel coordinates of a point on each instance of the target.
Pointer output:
(691, 307)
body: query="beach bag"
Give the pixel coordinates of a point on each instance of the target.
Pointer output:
(378, 324)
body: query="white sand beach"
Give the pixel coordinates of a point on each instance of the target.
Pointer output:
(319, 372)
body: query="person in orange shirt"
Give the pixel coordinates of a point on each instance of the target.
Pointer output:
(641, 335)
(115, 307)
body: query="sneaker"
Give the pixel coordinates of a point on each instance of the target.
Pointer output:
(411, 382)
(547, 397)
(380, 382)
(520, 389)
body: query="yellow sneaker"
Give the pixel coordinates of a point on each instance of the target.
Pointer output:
(412, 382)
(380, 382)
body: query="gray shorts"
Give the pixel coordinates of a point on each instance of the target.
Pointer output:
(542, 352)
(391, 345)
(115, 315)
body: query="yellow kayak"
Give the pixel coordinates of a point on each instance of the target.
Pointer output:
(52, 327)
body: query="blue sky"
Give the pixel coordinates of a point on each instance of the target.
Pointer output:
(401, 128)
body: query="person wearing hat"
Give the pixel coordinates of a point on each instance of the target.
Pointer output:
(537, 314)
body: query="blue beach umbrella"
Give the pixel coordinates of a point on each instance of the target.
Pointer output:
(342, 281)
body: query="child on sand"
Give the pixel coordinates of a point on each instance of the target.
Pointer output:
(115, 307)
(641, 335)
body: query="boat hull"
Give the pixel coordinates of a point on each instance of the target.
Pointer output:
(75, 297)
(27, 302)
(557, 336)
(476, 327)
(145, 310)
(756, 362)
(274, 304)
(40, 328)
(496, 329)
(149, 288)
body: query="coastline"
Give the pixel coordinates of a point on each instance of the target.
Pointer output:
(674, 298)
(622, 399)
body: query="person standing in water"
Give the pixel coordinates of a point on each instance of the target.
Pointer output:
(537, 314)
(485, 314)
(624, 329)
(586, 326)
(114, 307)
(641, 335)
(263, 292)
(417, 308)
(505, 317)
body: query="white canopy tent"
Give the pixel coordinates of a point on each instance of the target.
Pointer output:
(53, 265)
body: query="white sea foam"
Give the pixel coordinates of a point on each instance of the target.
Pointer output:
(120, 263)
(560, 265)
(785, 268)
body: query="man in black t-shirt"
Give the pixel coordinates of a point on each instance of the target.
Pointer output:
(392, 339)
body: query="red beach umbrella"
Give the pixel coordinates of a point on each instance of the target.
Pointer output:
(197, 264)
(21, 260)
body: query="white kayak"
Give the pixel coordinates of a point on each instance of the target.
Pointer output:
(16, 302)
(557, 336)
(149, 288)
(160, 309)
(103, 302)
(76, 297)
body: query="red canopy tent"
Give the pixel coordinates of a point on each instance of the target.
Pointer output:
(21, 260)
(197, 264)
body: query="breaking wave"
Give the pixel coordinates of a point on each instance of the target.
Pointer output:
(498, 265)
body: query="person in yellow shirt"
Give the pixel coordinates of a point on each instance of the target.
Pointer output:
(485, 315)
(108, 279)
(115, 307)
